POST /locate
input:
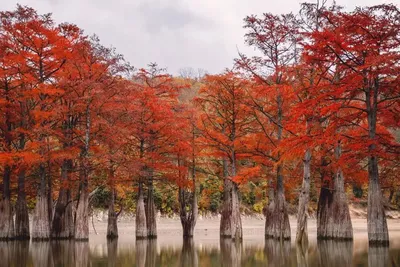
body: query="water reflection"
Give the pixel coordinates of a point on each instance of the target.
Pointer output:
(194, 253)
(335, 253)
(379, 256)
(278, 253)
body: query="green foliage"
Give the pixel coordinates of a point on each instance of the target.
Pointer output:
(357, 191)
(210, 194)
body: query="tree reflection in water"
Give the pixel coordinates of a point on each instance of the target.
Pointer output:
(41, 254)
(112, 250)
(335, 253)
(231, 252)
(194, 253)
(379, 256)
(277, 252)
(188, 255)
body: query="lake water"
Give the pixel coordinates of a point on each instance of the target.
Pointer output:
(206, 249)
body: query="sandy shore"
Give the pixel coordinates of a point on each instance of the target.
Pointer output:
(207, 231)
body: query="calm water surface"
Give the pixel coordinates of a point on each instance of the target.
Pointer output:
(192, 253)
(205, 250)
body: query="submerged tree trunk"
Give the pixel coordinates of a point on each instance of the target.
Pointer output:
(82, 210)
(333, 215)
(21, 210)
(141, 228)
(225, 228)
(63, 224)
(188, 206)
(302, 233)
(377, 226)
(237, 231)
(230, 218)
(188, 211)
(277, 225)
(112, 228)
(151, 222)
(6, 215)
(41, 223)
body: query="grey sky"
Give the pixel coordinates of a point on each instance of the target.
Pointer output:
(174, 33)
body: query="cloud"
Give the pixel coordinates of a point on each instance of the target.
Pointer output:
(174, 33)
(170, 17)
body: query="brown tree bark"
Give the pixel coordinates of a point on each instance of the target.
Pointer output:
(82, 211)
(141, 228)
(40, 222)
(21, 210)
(231, 222)
(151, 222)
(112, 227)
(188, 206)
(302, 233)
(277, 225)
(333, 215)
(6, 215)
(225, 228)
(62, 226)
(377, 226)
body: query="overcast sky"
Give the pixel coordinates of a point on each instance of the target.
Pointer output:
(174, 33)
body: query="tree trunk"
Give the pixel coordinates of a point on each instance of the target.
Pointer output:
(63, 225)
(141, 228)
(41, 223)
(333, 215)
(277, 225)
(82, 211)
(188, 207)
(377, 225)
(302, 233)
(226, 213)
(188, 211)
(151, 222)
(21, 210)
(6, 214)
(112, 228)
(237, 231)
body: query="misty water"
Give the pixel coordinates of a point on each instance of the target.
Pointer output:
(206, 249)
